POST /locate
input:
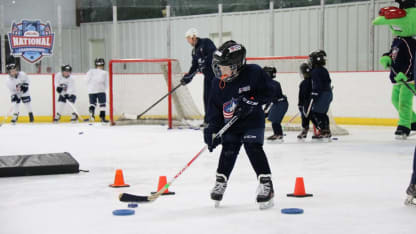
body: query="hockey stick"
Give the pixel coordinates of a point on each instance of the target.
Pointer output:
(126, 197)
(408, 86)
(135, 117)
(309, 109)
(76, 112)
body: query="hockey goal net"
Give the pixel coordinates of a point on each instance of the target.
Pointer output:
(137, 84)
(289, 77)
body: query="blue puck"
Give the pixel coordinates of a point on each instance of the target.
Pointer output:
(335, 138)
(132, 205)
(123, 212)
(292, 211)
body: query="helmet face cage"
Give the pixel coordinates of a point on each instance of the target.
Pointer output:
(224, 76)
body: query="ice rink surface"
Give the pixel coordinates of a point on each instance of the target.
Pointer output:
(358, 183)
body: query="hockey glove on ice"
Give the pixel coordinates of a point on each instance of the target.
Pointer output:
(245, 106)
(187, 78)
(385, 61)
(400, 77)
(210, 139)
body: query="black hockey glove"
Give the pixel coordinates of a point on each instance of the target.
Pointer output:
(187, 78)
(210, 139)
(24, 87)
(245, 106)
(15, 98)
(59, 89)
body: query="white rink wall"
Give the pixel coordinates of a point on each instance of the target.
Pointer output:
(356, 94)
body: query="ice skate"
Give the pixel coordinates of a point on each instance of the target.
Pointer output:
(31, 118)
(401, 133)
(219, 189)
(275, 138)
(303, 134)
(411, 195)
(57, 118)
(14, 119)
(326, 135)
(265, 192)
(74, 118)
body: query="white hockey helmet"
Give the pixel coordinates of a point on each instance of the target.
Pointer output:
(191, 32)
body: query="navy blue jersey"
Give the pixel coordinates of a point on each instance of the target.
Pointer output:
(320, 80)
(401, 53)
(202, 57)
(252, 82)
(305, 89)
(278, 94)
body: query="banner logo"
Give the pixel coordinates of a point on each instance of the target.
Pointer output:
(31, 40)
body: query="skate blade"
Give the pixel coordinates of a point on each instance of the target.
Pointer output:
(266, 205)
(301, 140)
(410, 201)
(275, 141)
(401, 137)
(217, 204)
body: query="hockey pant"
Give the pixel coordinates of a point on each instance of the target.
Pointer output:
(320, 109)
(62, 99)
(276, 114)
(16, 103)
(252, 140)
(101, 98)
(402, 99)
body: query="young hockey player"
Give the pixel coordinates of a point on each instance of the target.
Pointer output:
(65, 87)
(201, 62)
(277, 108)
(400, 61)
(97, 82)
(240, 90)
(321, 94)
(18, 84)
(305, 88)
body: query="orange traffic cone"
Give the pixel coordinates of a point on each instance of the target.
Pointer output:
(299, 189)
(119, 180)
(161, 184)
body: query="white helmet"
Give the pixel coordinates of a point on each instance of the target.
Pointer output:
(191, 32)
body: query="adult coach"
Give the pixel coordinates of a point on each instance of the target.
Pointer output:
(201, 62)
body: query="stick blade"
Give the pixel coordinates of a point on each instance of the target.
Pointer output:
(127, 197)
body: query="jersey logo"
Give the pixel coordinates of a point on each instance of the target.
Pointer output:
(244, 89)
(31, 40)
(228, 109)
(394, 53)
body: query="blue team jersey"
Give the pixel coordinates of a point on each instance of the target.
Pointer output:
(202, 57)
(252, 82)
(401, 53)
(320, 80)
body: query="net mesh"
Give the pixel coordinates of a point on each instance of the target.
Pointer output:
(137, 84)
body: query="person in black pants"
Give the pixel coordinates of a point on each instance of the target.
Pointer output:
(201, 62)
(321, 93)
(277, 108)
